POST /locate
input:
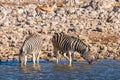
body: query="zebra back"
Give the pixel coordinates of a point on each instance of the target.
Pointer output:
(32, 43)
(61, 41)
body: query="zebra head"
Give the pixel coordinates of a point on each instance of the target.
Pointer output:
(21, 56)
(55, 37)
(90, 56)
(87, 56)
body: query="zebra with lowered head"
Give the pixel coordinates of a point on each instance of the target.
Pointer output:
(32, 44)
(68, 44)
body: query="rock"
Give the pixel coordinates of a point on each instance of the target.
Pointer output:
(20, 18)
(116, 7)
(79, 60)
(117, 58)
(107, 4)
(16, 58)
(4, 58)
(100, 57)
(98, 29)
(20, 11)
(52, 59)
(10, 57)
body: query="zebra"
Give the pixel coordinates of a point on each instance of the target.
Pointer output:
(68, 45)
(32, 44)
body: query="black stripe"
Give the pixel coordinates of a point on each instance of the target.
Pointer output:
(72, 43)
(66, 44)
(76, 45)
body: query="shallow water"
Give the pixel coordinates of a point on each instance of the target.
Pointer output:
(102, 70)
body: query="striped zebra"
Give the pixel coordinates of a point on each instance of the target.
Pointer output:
(32, 44)
(67, 45)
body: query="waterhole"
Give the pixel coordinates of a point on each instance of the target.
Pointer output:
(107, 69)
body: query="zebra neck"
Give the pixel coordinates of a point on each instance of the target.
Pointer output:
(84, 50)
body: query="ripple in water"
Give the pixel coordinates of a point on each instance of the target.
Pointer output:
(103, 70)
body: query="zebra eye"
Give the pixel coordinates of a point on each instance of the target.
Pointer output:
(55, 37)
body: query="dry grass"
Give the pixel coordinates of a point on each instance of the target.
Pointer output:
(28, 3)
(16, 3)
(104, 39)
(8, 3)
(116, 4)
(24, 3)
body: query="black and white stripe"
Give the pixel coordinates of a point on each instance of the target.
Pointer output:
(68, 44)
(32, 44)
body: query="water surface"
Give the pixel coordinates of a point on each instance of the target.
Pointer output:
(102, 70)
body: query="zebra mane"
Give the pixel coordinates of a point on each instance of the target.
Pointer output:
(74, 37)
(28, 37)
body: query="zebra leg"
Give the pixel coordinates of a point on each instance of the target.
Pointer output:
(25, 60)
(57, 56)
(38, 57)
(66, 56)
(34, 58)
(73, 56)
(70, 58)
